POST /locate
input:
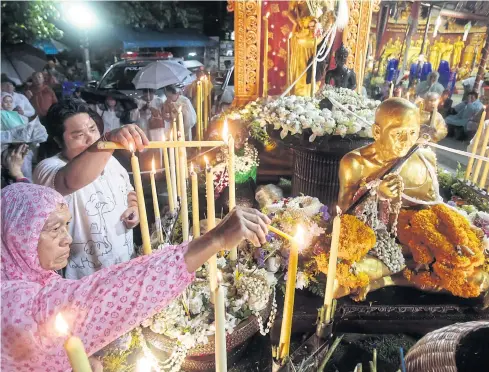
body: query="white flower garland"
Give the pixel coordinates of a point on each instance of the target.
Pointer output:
(186, 319)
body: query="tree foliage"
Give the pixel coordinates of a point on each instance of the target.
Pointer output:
(26, 21)
(155, 15)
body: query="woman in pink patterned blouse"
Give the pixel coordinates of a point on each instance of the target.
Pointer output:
(98, 308)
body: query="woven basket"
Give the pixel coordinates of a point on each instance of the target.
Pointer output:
(436, 351)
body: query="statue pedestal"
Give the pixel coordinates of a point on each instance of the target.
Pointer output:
(316, 164)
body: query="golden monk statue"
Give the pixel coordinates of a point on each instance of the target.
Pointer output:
(431, 257)
(395, 131)
(435, 127)
(469, 55)
(302, 44)
(435, 56)
(457, 51)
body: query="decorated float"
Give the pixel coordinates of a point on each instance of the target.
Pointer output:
(363, 234)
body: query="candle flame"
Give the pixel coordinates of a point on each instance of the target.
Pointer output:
(206, 161)
(191, 167)
(338, 211)
(61, 325)
(267, 15)
(299, 237)
(225, 131)
(131, 147)
(290, 35)
(153, 165)
(143, 365)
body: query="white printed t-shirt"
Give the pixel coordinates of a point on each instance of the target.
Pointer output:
(100, 238)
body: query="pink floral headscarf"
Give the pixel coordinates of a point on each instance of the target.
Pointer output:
(25, 209)
(98, 308)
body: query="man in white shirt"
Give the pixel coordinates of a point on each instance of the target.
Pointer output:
(21, 103)
(96, 187)
(175, 99)
(149, 105)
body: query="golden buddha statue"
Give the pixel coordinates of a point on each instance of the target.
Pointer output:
(395, 131)
(302, 44)
(435, 55)
(463, 72)
(457, 51)
(469, 55)
(446, 50)
(435, 127)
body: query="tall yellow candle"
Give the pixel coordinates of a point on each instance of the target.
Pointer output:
(211, 220)
(162, 144)
(183, 195)
(195, 203)
(143, 218)
(220, 318)
(206, 102)
(482, 152)
(286, 329)
(181, 129)
(477, 138)
(173, 174)
(209, 93)
(199, 110)
(169, 183)
(74, 348)
(177, 158)
(265, 55)
(156, 206)
(391, 90)
(434, 115)
(227, 136)
(333, 258)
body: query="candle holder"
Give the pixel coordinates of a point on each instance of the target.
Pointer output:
(324, 330)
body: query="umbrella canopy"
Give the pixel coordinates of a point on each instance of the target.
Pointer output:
(160, 74)
(92, 96)
(17, 71)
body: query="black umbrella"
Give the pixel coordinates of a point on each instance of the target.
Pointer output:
(92, 96)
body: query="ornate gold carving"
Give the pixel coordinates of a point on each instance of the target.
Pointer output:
(285, 30)
(247, 46)
(355, 35)
(274, 8)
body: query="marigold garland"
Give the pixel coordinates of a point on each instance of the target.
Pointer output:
(441, 237)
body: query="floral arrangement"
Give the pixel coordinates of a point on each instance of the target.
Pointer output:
(294, 114)
(189, 320)
(246, 162)
(443, 242)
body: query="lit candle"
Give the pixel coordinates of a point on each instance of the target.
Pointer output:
(162, 144)
(211, 220)
(143, 365)
(173, 174)
(181, 129)
(286, 329)
(228, 137)
(74, 348)
(156, 206)
(143, 218)
(169, 184)
(199, 110)
(265, 56)
(482, 152)
(206, 102)
(391, 90)
(195, 203)
(220, 319)
(183, 192)
(333, 257)
(477, 138)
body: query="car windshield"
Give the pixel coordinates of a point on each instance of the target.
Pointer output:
(120, 77)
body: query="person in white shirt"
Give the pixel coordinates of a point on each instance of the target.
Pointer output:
(149, 105)
(20, 102)
(111, 113)
(175, 99)
(96, 187)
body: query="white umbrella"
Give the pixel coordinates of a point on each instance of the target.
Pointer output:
(160, 74)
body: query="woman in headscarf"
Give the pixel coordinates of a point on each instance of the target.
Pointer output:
(100, 307)
(430, 85)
